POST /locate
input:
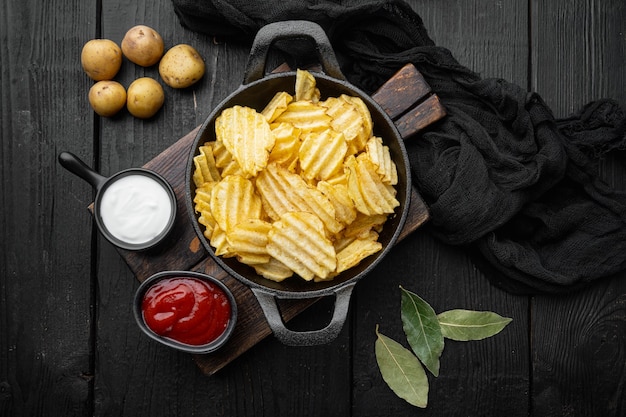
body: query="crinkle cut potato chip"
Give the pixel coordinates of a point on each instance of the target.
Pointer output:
(305, 115)
(363, 225)
(202, 205)
(234, 200)
(273, 270)
(248, 239)
(337, 194)
(347, 118)
(277, 106)
(246, 134)
(370, 194)
(306, 86)
(282, 191)
(321, 154)
(357, 250)
(302, 187)
(380, 156)
(206, 169)
(220, 243)
(298, 240)
(285, 151)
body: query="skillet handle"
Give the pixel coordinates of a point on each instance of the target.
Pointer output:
(290, 29)
(289, 337)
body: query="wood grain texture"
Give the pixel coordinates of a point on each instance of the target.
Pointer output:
(408, 82)
(45, 270)
(68, 343)
(578, 52)
(490, 38)
(579, 55)
(425, 109)
(577, 339)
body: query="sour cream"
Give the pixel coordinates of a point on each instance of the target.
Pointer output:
(135, 208)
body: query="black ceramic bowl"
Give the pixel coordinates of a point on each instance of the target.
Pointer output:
(198, 349)
(101, 184)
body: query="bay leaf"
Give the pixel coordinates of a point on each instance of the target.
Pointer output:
(423, 331)
(401, 370)
(464, 325)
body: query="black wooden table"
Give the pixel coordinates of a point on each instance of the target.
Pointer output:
(68, 343)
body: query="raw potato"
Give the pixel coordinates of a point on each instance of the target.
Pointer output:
(101, 59)
(145, 97)
(107, 97)
(143, 45)
(181, 66)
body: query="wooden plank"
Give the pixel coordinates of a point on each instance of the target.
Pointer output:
(45, 273)
(579, 55)
(425, 108)
(486, 378)
(421, 116)
(408, 82)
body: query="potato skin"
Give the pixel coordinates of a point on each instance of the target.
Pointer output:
(101, 59)
(145, 97)
(107, 97)
(143, 45)
(181, 66)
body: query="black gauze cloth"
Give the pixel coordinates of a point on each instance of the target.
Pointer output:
(500, 175)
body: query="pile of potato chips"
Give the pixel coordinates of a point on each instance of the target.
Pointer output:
(302, 187)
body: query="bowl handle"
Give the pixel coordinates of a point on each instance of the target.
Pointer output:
(267, 300)
(77, 167)
(290, 29)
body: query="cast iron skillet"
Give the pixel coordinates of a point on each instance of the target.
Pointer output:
(256, 91)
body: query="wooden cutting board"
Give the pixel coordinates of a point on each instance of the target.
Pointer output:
(408, 100)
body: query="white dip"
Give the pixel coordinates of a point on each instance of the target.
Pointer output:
(135, 208)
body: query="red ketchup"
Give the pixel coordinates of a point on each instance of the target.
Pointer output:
(187, 310)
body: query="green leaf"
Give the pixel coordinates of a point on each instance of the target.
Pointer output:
(464, 325)
(422, 330)
(402, 371)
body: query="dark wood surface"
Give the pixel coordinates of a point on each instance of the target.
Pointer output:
(68, 342)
